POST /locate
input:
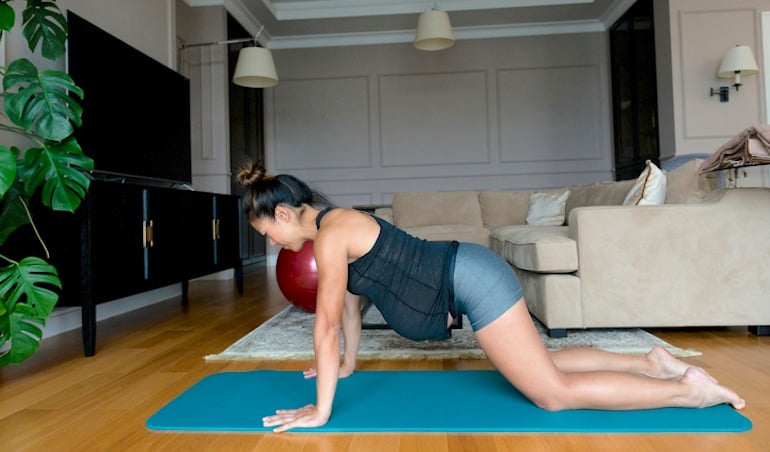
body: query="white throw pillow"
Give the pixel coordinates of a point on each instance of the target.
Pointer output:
(649, 188)
(547, 209)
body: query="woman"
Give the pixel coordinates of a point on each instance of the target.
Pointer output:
(421, 286)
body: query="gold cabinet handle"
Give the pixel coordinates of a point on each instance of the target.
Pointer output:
(215, 229)
(147, 240)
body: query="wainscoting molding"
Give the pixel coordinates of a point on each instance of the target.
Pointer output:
(322, 123)
(562, 118)
(434, 119)
(702, 50)
(360, 123)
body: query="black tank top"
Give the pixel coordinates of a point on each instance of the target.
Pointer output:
(408, 279)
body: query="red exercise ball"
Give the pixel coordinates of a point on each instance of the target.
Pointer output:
(297, 276)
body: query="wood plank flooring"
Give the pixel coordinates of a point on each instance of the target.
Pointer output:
(60, 401)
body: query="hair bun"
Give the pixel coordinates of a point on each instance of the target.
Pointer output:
(250, 173)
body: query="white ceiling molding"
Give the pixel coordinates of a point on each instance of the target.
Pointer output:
(328, 9)
(241, 13)
(194, 3)
(238, 10)
(350, 8)
(407, 36)
(615, 11)
(340, 39)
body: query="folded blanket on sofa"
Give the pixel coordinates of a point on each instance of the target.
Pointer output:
(750, 147)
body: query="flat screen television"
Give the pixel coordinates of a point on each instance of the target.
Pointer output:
(136, 111)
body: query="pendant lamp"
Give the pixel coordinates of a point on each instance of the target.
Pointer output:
(255, 68)
(434, 31)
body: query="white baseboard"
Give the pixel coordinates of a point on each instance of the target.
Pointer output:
(69, 318)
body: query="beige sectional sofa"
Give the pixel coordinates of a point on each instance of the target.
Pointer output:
(700, 259)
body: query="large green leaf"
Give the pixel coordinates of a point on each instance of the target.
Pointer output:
(24, 334)
(43, 21)
(29, 283)
(27, 299)
(59, 167)
(7, 169)
(40, 102)
(13, 215)
(7, 16)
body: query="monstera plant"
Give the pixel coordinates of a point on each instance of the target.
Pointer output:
(40, 109)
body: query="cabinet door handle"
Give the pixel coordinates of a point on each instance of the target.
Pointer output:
(215, 229)
(147, 240)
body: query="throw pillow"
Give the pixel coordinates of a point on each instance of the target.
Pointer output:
(649, 188)
(685, 184)
(547, 209)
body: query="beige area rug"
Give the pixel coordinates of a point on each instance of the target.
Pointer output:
(289, 336)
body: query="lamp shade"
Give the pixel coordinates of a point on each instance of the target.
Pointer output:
(255, 68)
(434, 31)
(738, 59)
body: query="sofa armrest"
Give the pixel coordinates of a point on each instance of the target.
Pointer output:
(671, 265)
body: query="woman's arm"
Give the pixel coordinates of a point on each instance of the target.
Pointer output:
(331, 260)
(351, 328)
(326, 341)
(345, 235)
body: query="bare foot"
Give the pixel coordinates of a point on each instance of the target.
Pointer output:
(709, 393)
(664, 366)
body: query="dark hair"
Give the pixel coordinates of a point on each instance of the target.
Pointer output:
(266, 192)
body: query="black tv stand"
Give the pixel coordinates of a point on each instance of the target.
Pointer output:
(126, 239)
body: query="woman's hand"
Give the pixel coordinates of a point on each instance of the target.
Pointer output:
(307, 416)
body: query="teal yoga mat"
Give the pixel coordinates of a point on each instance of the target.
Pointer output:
(414, 401)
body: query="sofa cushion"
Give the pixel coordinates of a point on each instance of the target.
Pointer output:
(502, 208)
(598, 194)
(446, 232)
(436, 208)
(685, 184)
(536, 248)
(649, 189)
(546, 209)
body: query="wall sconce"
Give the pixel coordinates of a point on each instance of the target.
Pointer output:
(434, 31)
(738, 61)
(255, 67)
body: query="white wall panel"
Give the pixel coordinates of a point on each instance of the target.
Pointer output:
(322, 123)
(430, 119)
(701, 32)
(360, 123)
(550, 113)
(702, 51)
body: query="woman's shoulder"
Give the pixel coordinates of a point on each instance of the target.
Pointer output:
(357, 229)
(338, 215)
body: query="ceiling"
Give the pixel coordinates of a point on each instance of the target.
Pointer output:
(323, 23)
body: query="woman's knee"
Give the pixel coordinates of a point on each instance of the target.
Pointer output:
(549, 400)
(514, 347)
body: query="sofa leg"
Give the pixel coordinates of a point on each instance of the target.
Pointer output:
(557, 333)
(760, 330)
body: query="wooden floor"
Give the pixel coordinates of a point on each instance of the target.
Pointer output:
(59, 400)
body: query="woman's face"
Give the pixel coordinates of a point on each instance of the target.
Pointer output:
(279, 231)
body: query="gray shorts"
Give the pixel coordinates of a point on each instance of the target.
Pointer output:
(485, 286)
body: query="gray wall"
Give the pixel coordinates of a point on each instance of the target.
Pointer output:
(360, 123)
(689, 53)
